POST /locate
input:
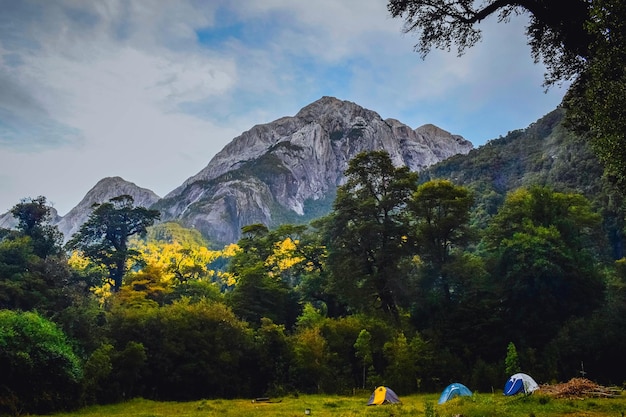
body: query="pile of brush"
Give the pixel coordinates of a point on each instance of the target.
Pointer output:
(579, 388)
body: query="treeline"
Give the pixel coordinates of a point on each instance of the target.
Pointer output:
(396, 286)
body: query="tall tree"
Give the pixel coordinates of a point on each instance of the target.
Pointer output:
(367, 237)
(543, 246)
(262, 289)
(33, 216)
(441, 214)
(33, 268)
(596, 102)
(103, 238)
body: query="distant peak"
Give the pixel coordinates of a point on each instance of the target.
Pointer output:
(432, 129)
(111, 180)
(329, 105)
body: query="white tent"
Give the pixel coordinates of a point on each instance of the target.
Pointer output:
(519, 383)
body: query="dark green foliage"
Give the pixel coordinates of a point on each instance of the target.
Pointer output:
(40, 372)
(33, 268)
(193, 350)
(29, 282)
(33, 216)
(273, 357)
(543, 154)
(596, 101)
(597, 342)
(263, 289)
(367, 233)
(258, 295)
(544, 261)
(440, 215)
(103, 238)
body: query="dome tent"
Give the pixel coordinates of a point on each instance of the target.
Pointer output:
(454, 390)
(383, 395)
(520, 383)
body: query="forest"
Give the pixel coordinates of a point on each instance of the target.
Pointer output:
(411, 281)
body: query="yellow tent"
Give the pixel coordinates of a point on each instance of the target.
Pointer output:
(383, 395)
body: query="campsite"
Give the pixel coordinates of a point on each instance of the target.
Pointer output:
(577, 397)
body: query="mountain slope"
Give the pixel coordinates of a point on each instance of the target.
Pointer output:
(288, 170)
(544, 153)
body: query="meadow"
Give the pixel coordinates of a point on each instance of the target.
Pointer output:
(483, 405)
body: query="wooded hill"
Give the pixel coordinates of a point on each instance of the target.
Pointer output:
(545, 153)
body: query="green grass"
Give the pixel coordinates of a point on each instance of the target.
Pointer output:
(480, 405)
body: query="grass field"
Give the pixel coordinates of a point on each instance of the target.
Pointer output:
(483, 405)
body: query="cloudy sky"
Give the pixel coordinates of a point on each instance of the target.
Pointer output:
(150, 90)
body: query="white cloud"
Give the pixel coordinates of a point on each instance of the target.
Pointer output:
(95, 89)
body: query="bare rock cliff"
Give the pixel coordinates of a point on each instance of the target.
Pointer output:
(288, 170)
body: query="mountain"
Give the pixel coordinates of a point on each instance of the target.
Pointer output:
(104, 190)
(288, 170)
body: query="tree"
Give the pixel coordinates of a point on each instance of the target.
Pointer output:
(33, 268)
(441, 213)
(33, 216)
(511, 362)
(103, 238)
(543, 247)
(557, 29)
(263, 287)
(596, 102)
(367, 236)
(580, 40)
(363, 350)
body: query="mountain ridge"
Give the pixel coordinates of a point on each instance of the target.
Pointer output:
(283, 169)
(286, 170)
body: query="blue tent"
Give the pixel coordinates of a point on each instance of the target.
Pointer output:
(454, 390)
(520, 383)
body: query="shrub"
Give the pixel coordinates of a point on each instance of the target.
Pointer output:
(40, 372)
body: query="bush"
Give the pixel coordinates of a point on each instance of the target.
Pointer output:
(40, 372)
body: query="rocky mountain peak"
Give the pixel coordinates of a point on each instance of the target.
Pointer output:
(289, 169)
(285, 171)
(102, 192)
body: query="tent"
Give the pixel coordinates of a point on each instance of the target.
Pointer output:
(519, 383)
(454, 390)
(383, 395)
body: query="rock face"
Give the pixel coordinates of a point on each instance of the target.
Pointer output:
(288, 170)
(102, 192)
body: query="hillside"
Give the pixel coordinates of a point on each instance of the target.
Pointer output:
(544, 153)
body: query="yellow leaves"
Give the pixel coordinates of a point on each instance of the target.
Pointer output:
(284, 256)
(230, 250)
(181, 263)
(102, 293)
(84, 266)
(77, 261)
